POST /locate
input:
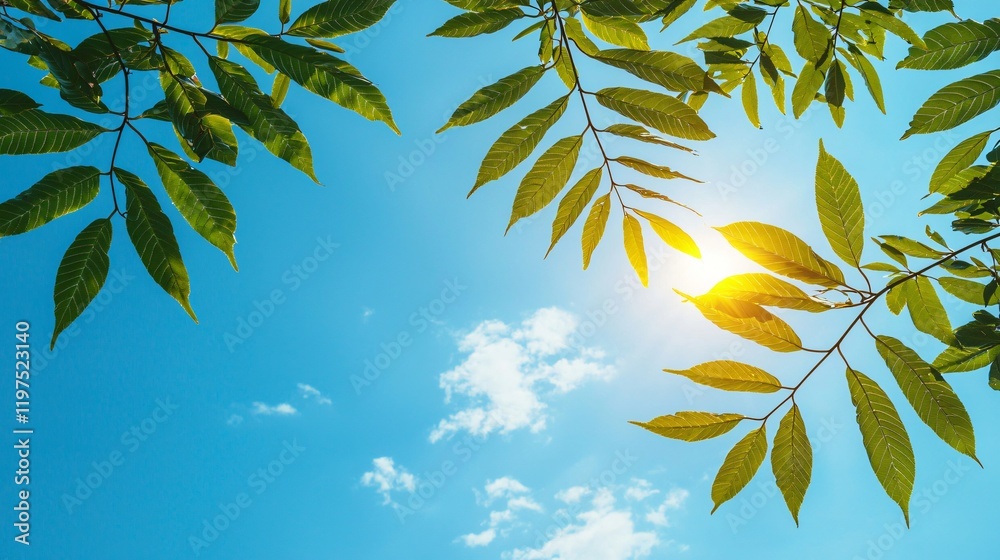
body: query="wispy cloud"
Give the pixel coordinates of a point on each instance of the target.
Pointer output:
(674, 501)
(386, 478)
(509, 372)
(307, 392)
(281, 409)
(517, 497)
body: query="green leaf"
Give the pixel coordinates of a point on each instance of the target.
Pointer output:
(958, 360)
(658, 171)
(692, 426)
(751, 104)
(670, 70)
(791, 460)
(279, 89)
(205, 207)
(37, 132)
(230, 11)
(636, 132)
(926, 311)
(836, 84)
(82, 273)
(764, 289)
(957, 103)
(740, 466)
(77, 83)
(593, 228)
(932, 398)
(284, 11)
(325, 75)
(812, 38)
(471, 24)
(782, 252)
(59, 193)
(959, 159)
(662, 112)
(494, 98)
(635, 249)
(671, 234)
(808, 83)
(970, 291)
(34, 7)
(548, 176)
(517, 143)
(885, 439)
(954, 45)
(869, 74)
(619, 31)
(572, 205)
(731, 376)
(838, 198)
(334, 18)
(205, 134)
(153, 237)
(268, 124)
(12, 102)
(747, 320)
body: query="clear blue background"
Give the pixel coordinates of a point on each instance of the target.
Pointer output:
(398, 245)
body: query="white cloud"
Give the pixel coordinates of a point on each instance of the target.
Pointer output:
(366, 313)
(387, 478)
(518, 498)
(309, 392)
(640, 489)
(509, 371)
(234, 420)
(473, 540)
(572, 495)
(600, 533)
(282, 409)
(673, 501)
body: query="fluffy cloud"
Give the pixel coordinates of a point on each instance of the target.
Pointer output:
(587, 522)
(386, 478)
(510, 371)
(603, 532)
(674, 501)
(640, 489)
(309, 392)
(282, 409)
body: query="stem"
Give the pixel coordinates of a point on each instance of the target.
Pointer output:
(859, 319)
(586, 110)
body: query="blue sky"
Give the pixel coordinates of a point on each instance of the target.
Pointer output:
(175, 424)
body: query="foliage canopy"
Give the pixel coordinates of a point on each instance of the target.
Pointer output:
(837, 47)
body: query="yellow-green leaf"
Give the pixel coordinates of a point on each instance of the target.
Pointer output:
(764, 289)
(740, 466)
(933, 399)
(791, 460)
(692, 426)
(747, 320)
(593, 228)
(838, 198)
(885, 439)
(572, 205)
(635, 249)
(782, 252)
(731, 376)
(671, 234)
